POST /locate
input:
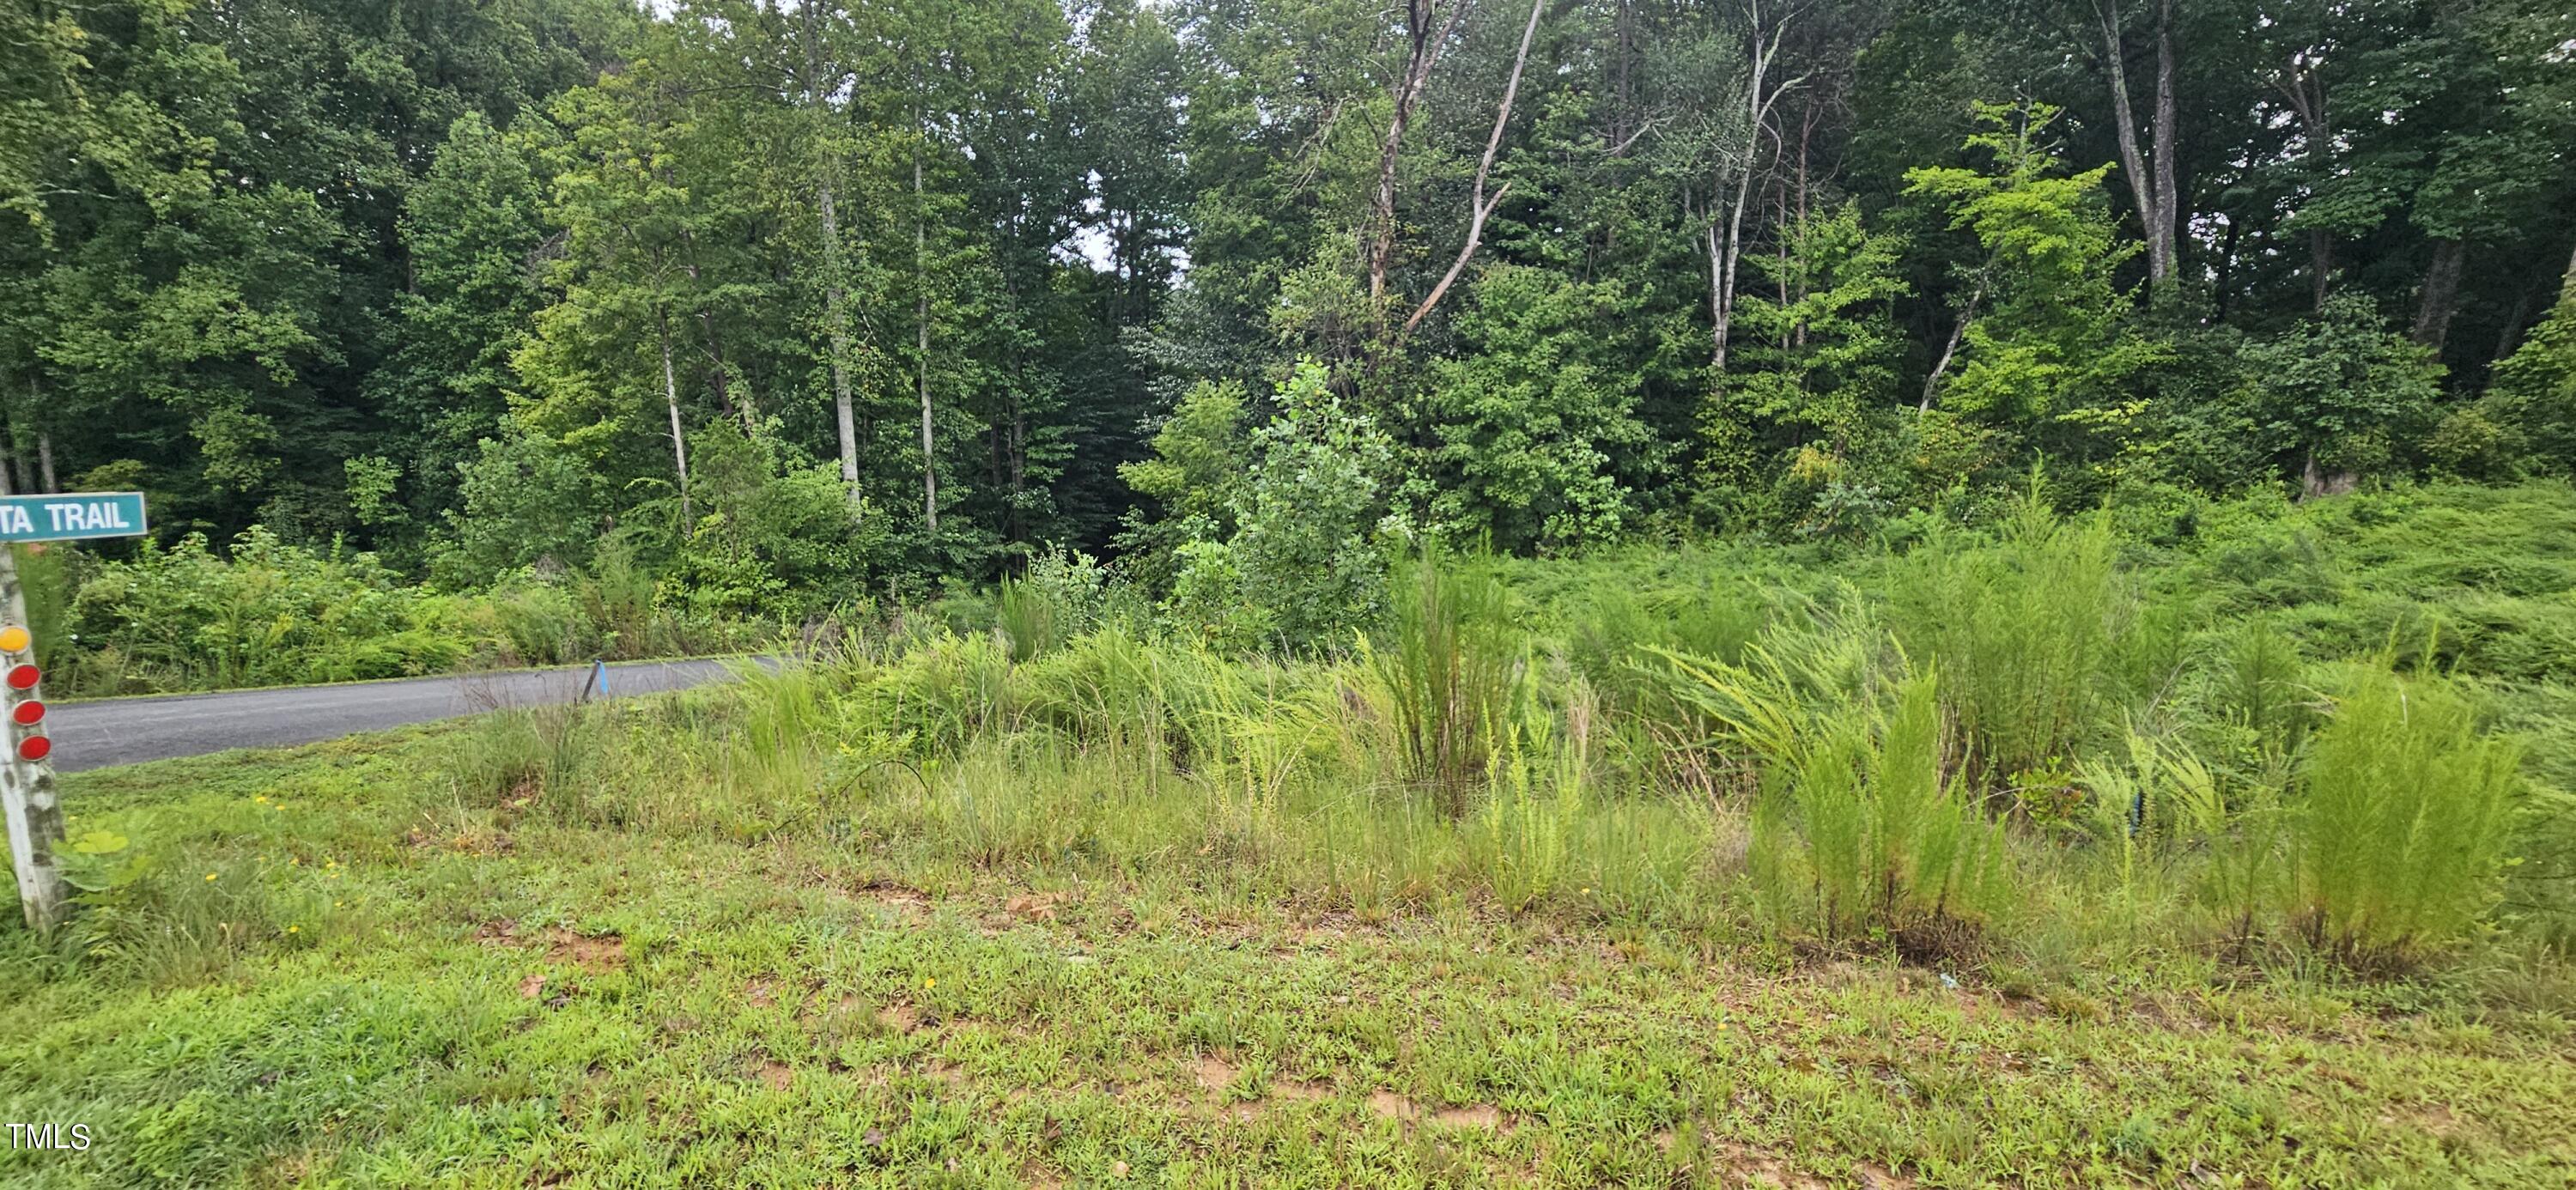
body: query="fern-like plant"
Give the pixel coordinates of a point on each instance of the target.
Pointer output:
(2401, 832)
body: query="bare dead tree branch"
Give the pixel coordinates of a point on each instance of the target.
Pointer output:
(1480, 207)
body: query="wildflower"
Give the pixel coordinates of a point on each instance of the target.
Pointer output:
(262, 799)
(928, 984)
(210, 877)
(294, 929)
(344, 905)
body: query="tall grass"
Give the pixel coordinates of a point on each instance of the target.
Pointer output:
(2401, 827)
(1459, 757)
(1447, 665)
(1537, 787)
(1866, 834)
(1029, 619)
(2025, 636)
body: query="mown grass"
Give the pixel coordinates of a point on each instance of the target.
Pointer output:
(496, 996)
(1712, 878)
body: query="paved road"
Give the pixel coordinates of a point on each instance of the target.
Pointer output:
(89, 735)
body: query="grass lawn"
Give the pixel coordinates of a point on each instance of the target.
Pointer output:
(355, 975)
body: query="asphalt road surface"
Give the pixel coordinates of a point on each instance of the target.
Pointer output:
(90, 735)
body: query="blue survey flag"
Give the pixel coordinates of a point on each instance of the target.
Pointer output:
(70, 516)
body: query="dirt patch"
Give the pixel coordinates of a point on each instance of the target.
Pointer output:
(762, 993)
(1213, 1073)
(2433, 1119)
(503, 932)
(1762, 1168)
(1474, 1115)
(910, 902)
(590, 952)
(776, 1075)
(1033, 906)
(1301, 1089)
(1874, 1176)
(1393, 1106)
(469, 842)
(531, 986)
(899, 1018)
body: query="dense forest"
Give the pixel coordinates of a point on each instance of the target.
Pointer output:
(787, 305)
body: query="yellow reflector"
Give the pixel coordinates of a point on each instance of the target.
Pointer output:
(12, 639)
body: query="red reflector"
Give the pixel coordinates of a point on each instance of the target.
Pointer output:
(23, 677)
(28, 711)
(35, 747)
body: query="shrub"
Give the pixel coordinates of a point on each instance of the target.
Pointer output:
(1447, 665)
(2025, 636)
(1304, 549)
(2400, 830)
(1864, 834)
(274, 613)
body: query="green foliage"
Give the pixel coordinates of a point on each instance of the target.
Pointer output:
(2535, 387)
(527, 502)
(1200, 456)
(2024, 634)
(772, 538)
(2341, 393)
(1304, 549)
(1448, 668)
(2401, 828)
(1821, 353)
(271, 615)
(1535, 424)
(268, 613)
(2046, 332)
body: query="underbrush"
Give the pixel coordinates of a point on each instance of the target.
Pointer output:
(1622, 867)
(270, 613)
(2004, 752)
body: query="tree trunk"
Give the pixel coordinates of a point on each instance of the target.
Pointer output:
(1478, 206)
(2168, 189)
(2511, 336)
(45, 461)
(1725, 255)
(921, 364)
(1950, 350)
(2306, 91)
(671, 395)
(2151, 184)
(836, 314)
(2441, 293)
(1423, 51)
(1622, 102)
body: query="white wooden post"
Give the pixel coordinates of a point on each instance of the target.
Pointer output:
(27, 796)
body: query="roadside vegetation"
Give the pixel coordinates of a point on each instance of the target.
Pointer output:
(2224, 849)
(270, 614)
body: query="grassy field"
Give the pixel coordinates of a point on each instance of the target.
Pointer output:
(418, 994)
(1114, 912)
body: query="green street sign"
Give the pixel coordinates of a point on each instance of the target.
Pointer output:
(71, 515)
